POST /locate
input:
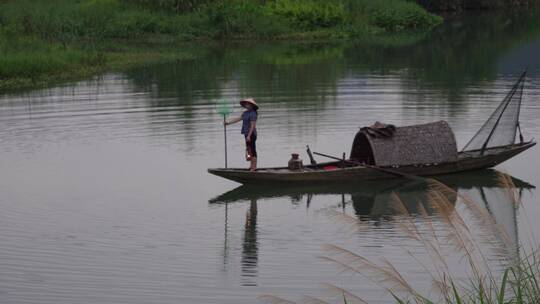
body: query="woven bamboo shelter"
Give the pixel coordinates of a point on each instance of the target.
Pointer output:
(425, 144)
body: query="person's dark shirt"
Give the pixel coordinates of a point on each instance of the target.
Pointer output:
(247, 118)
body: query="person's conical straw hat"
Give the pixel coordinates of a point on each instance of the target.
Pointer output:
(244, 101)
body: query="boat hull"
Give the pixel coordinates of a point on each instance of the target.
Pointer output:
(469, 160)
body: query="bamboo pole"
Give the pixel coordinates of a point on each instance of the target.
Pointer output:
(225, 136)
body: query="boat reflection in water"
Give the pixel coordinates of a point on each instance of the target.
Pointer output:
(374, 203)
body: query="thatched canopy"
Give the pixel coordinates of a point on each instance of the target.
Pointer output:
(412, 145)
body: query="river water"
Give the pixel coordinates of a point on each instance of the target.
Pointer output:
(105, 198)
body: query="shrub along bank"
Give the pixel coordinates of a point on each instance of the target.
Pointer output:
(459, 5)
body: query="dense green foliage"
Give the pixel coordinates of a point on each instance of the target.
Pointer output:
(309, 14)
(399, 15)
(240, 18)
(177, 6)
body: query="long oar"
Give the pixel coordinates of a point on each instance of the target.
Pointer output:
(388, 171)
(224, 110)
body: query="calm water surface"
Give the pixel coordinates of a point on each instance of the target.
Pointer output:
(104, 194)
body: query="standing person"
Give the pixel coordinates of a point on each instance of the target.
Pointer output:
(249, 129)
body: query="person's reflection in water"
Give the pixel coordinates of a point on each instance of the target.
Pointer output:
(250, 247)
(225, 238)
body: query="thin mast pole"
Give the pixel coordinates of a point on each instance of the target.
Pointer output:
(519, 110)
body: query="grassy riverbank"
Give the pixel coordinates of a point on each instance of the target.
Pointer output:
(30, 62)
(42, 42)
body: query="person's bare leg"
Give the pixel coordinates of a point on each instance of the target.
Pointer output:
(253, 166)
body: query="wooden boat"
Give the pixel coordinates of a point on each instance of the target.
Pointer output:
(467, 160)
(419, 150)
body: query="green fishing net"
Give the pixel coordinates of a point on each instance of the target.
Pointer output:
(224, 108)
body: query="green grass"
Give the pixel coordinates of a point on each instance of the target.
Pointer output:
(29, 62)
